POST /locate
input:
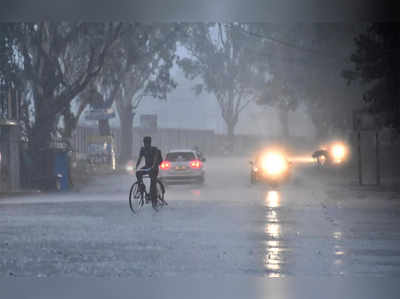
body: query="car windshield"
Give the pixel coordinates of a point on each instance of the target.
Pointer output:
(180, 156)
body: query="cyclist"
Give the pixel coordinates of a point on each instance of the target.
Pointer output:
(321, 156)
(153, 158)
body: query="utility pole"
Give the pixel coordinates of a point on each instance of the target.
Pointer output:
(378, 164)
(364, 121)
(357, 128)
(359, 158)
(9, 104)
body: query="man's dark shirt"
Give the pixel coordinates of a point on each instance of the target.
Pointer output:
(149, 155)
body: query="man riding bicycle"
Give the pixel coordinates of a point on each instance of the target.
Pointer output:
(321, 156)
(152, 157)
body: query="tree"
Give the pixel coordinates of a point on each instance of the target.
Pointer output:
(9, 69)
(220, 56)
(376, 63)
(138, 66)
(280, 94)
(89, 97)
(330, 101)
(59, 60)
(306, 61)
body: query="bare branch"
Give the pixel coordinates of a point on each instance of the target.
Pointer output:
(244, 106)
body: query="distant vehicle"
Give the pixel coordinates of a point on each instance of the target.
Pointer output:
(271, 167)
(182, 166)
(130, 167)
(334, 155)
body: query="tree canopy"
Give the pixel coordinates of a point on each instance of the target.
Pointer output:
(376, 63)
(221, 58)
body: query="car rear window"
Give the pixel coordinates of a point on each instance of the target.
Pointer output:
(177, 156)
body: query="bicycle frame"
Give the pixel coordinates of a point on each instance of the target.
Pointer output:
(145, 194)
(147, 176)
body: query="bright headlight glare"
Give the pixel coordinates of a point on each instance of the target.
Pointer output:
(274, 163)
(129, 168)
(338, 152)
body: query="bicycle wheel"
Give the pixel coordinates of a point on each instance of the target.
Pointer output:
(161, 194)
(135, 198)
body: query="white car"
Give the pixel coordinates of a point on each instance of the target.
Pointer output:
(182, 165)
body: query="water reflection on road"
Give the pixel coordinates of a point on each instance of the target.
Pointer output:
(339, 253)
(272, 200)
(273, 250)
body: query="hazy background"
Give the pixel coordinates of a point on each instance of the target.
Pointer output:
(185, 109)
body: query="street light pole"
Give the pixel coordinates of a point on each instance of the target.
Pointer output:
(378, 165)
(359, 158)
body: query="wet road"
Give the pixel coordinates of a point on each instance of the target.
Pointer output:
(308, 227)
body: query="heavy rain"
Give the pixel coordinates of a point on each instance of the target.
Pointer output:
(211, 149)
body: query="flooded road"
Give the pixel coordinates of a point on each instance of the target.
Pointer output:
(225, 227)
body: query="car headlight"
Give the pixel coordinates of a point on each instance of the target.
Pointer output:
(274, 163)
(129, 168)
(338, 152)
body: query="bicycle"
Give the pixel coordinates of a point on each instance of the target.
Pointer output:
(139, 195)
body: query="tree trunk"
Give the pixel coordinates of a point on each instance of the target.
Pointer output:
(321, 126)
(40, 140)
(126, 120)
(231, 136)
(104, 127)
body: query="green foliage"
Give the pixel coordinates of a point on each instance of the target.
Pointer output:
(139, 65)
(10, 70)
(305, 62)
(50, 64)
(376, 63)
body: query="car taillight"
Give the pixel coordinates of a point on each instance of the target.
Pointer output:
(165, 165)
(195, 164)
